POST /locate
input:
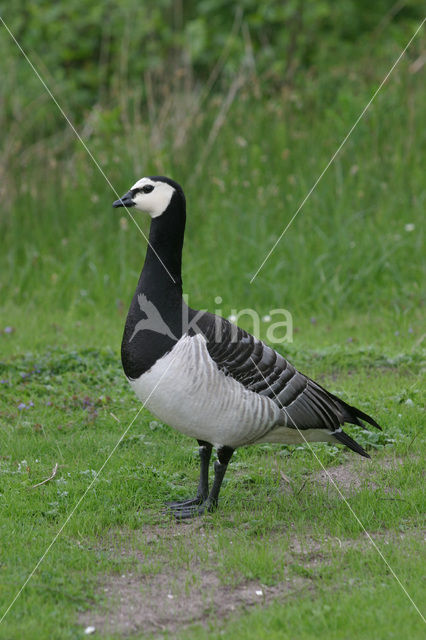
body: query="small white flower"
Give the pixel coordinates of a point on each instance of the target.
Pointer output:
(89, 630)
(170, 596)
(410, 227)
(266, 318)
(232, 318)
(259, 592)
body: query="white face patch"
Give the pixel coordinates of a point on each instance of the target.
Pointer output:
(156, 201)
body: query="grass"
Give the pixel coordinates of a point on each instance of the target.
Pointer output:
(249, 538)
(349, 251)
(349, 270)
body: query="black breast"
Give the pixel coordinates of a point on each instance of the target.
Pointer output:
(151, 331)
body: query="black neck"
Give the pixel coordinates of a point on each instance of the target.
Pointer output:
(161, 274)
(160, 285)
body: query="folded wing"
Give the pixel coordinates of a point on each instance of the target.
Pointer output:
(262, 370)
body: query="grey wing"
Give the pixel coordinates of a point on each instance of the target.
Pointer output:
(263, 370)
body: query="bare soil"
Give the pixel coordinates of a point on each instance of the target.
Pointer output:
(352, 476)
(163, 601)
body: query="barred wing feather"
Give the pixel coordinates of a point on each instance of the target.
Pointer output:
(261, 369)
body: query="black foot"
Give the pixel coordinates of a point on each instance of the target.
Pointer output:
(188, 502)
(204, 502)
(194, 510)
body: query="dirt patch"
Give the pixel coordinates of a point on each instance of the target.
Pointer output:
(353, 476)
(164, 602)
(156, 599)
(137, 603)
(348, 477)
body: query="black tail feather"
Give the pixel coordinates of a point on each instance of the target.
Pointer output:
(343, 437)
(354, 415)
(350, 414)
(366, 417)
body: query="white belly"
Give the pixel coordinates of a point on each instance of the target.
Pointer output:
(289, 435)
(186, 390)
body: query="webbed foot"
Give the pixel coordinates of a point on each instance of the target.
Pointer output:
(188, 502)
(195, 510)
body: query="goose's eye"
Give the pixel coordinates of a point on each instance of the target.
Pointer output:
(147, 188)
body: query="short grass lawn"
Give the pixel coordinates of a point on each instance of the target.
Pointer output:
(283, 557)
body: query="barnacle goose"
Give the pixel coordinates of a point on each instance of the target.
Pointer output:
(203, 375)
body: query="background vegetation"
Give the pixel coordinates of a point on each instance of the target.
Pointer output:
(244, 104)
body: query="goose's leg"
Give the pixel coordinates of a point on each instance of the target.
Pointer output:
(224, 455)
(205, 452)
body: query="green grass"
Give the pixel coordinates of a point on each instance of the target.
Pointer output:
(74, 394)
(349, 270)
(347, 253)
(358, 603)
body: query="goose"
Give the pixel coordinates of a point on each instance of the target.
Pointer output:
(203, 375)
